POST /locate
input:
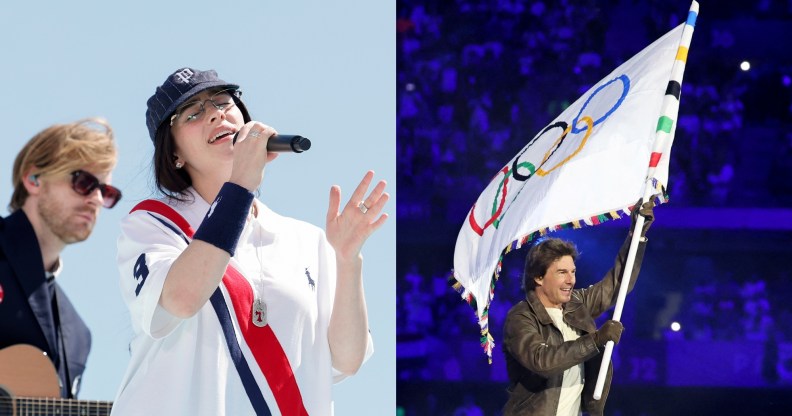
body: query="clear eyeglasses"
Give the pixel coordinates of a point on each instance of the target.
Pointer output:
(195, 110)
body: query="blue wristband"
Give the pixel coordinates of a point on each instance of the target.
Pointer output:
(223, 223)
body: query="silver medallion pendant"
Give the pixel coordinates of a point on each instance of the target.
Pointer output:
(259, 316)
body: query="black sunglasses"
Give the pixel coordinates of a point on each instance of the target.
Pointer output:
(84, 183)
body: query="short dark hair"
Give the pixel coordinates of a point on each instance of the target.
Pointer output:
(542, 255)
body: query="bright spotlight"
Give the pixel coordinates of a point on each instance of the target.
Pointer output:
(745, 65)
(675, 326)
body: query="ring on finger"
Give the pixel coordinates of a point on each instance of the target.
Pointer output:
(363, 208)
(254, 133)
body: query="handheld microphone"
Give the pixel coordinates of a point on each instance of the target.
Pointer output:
(285, 143)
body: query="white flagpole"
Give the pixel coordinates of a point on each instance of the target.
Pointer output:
(670, 104)
(625, 283)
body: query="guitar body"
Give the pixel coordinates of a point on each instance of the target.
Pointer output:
(26, 371)
(29, 386)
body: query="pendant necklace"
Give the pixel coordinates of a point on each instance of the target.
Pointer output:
(259, 311)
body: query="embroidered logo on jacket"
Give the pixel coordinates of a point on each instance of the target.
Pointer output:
(310, 280)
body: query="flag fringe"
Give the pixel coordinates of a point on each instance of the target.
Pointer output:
(486, 340)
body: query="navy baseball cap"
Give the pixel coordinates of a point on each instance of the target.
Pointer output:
(178, 88)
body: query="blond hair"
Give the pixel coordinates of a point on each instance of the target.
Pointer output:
(64, 148)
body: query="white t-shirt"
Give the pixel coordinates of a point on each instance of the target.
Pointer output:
(572, 384)
(217, 362)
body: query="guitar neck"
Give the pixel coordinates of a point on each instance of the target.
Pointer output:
(43, 406)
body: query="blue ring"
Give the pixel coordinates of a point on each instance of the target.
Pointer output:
(625, 81)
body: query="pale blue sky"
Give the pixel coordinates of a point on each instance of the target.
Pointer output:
(325, 70)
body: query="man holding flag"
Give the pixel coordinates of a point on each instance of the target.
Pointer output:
(552, 347)
(607, 149)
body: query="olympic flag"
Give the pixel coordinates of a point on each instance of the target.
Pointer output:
(589, 165)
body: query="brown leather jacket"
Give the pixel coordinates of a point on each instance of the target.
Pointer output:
(536, 354)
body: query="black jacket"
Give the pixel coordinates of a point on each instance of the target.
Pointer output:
(26, 305)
